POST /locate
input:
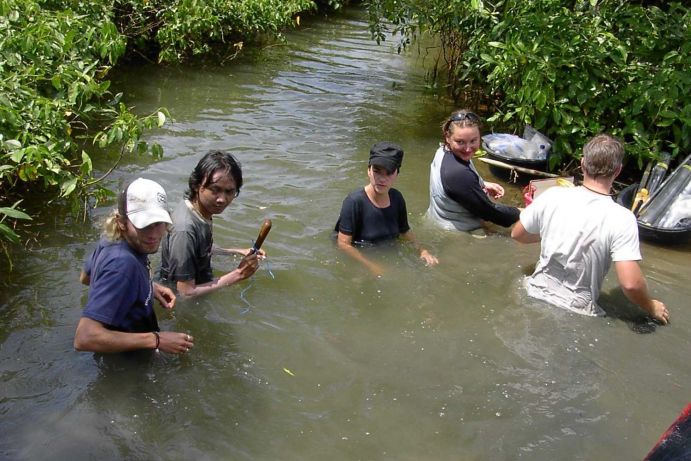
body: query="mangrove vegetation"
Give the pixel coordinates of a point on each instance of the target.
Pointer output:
(56, 106)
(571, 69)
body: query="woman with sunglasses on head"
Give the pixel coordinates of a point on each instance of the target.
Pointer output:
(459, 197)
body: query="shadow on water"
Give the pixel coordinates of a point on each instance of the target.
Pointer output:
(615, 304)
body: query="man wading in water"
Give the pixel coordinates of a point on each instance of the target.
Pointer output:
(119, 314)
(186, 250)
(581, 230)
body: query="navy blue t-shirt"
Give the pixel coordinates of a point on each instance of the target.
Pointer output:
(366, 223)
(120, 292)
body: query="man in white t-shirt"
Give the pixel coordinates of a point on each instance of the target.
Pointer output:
(581, 231)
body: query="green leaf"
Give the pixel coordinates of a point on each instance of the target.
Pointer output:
(8, 234)
(540, 100)
(487, 58)
(14, 213)
(68, 187)
(13, 144)
(56, 81)
(157, 151)
(86, 166)
(161, 118)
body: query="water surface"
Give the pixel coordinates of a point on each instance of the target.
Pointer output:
(313, 358)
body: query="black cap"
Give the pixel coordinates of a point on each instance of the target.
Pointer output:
(386, 154)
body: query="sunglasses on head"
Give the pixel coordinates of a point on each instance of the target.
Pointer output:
(465, 116)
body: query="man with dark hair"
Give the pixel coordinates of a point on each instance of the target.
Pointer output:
(119, 314)
(581, 231)
(187, 249)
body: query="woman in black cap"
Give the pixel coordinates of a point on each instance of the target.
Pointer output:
(377, 212)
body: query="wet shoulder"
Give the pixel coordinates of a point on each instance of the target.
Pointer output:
(357, 195)
(395, 194)
(185, 218)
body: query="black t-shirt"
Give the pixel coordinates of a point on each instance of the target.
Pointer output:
(366, 223)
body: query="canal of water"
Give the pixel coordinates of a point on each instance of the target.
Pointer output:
(313, 358)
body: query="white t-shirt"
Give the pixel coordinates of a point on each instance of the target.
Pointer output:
(581, 233)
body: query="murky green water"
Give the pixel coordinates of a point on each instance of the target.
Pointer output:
(314, 359)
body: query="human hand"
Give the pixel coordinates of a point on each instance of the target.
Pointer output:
(248, 266)
(494, 190)
(245, 251)
(659, 312)
(376, 269)
(164, 296)
(430, 259)
(175, 343)
(261, 253)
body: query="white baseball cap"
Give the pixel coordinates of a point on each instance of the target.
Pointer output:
(146, 203)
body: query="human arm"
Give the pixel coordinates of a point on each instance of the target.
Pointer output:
(345, 243)
(237, 251)
(519, 234)
(84, 278)
(635, 288)
(462, 185)
(164, 295)
(426, 256)
(248, 266)
(93, 336)
(189, 260)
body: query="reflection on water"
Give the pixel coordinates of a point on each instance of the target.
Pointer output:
(320, 360)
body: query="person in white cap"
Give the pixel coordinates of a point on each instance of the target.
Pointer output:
(119, 314)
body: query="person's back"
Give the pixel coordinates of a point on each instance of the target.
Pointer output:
(582, 233)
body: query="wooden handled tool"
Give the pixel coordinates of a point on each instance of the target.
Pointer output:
(263, 232)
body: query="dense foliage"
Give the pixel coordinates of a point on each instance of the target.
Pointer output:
(569, 68)
(174, 30)
(56, 110)
(52, 91)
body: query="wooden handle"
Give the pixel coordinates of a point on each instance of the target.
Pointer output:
(263, 232)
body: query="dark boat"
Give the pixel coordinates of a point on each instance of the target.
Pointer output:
(654, 234)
